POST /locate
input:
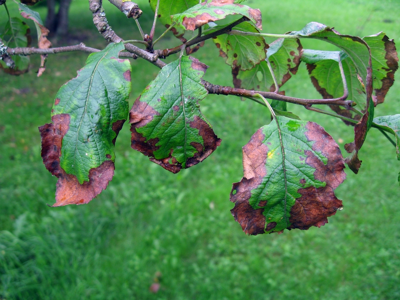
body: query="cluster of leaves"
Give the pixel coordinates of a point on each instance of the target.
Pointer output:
(291, 167)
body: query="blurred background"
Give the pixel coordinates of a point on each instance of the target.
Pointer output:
(151, 226)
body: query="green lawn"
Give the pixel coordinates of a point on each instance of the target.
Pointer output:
(149, 220)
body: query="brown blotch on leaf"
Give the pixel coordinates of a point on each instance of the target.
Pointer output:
(235, 55)
(255, 152)
(175, 108)
(116, 127)
(392, 62)
(69, 190)
(57, 101)
(258, 44)
(108, 156)
(198, 65)
(127, 75)
(317, 204)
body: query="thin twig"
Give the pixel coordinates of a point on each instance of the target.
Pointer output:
(166, 52)
(226, 90)
(345, 89)
(285, 36)
(153, 28)
(388, 137)
(321, 111)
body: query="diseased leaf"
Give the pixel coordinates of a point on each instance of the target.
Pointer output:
(167, 124)
(358, 51)
(323, 67)
(88, 113)
(242, 51)
(172, 7)
(290, 174)
(16, 34)
(214, 10)
(284, 57)
(391, 124)
(42, 32)
(384, 64)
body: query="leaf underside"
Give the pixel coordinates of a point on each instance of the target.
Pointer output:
(88, 113)
(288, 184)
(167, 124)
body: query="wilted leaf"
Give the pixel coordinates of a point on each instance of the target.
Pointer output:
(290, 174)
(167, 124)
(42, 32)
(323, 67)
(242, 51)
(358, 51)
(214, 10)
(172, 7)
(384, 64)
(16, 34)
(89, 111)
(284, 57)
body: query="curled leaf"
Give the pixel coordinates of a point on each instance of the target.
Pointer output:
(42, 32)
(290, 174)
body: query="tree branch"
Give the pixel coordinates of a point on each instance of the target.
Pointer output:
(166, 52)
(128, 8)
(101, 23)
(4, 55)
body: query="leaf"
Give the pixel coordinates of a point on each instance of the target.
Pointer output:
(16, 34)
(391, 124)
(290, 174)
(167, 124)
(214, 10)
(169, 8)
(42, 32)
(241, 51)
(384, 64)
(358, 51)
(323, 68)
(284, 57)
(88, 113)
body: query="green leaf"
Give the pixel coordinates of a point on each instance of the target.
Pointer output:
(284, 57)
(241, 51)
(392, 125)
(323, 68)
(89, 111)
(16, 34)
(355, 47)
(291, 169)
(172, 7)
(167, 124)
(214, 10)
(384, 64)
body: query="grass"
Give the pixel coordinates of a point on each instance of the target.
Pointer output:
(150, 221)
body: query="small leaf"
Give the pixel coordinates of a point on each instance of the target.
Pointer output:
(88, 113)
(169, 8)
(384, 64)
(16, 34)
(214, 10)
(290, 174)
(391, 124)
(241, 51)
(42, 32)
(284, 57)
(167, 124)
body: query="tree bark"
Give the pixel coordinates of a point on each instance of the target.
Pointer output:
(51, 21)
(62, 17)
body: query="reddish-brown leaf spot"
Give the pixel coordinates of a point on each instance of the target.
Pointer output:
(127, 75)
(69, 190)
(315, 205)
(57, 101)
